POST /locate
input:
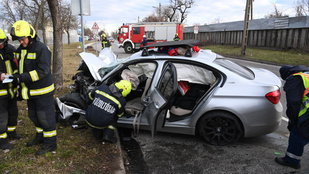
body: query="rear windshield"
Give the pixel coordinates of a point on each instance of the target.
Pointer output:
(236, 68)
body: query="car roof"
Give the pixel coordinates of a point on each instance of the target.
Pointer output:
(153, 51)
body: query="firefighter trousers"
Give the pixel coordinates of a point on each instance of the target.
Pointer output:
(108, 130)
(296, 146)
(8, 114)
(42, 113)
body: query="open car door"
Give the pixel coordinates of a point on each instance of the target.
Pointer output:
(157, 102)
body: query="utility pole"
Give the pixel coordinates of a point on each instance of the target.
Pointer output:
(82, 24)
(159, 11)
(246, 27)
(160, 19)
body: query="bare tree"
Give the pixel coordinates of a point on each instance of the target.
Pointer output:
(12, 11)
(170, 11)
(151, 18)
(39, 15)
(69, 21)
(183, 6)
(57, 45)
(302, 7)
(276, 14)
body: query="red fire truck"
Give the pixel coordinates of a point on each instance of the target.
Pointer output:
(130, 36)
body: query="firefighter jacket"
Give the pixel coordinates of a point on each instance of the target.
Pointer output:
(303, 115)
(35, 70)
(294, 89)
(106, 107)
(144, 42)
(9, 66)
(176, 38)
(105, 43)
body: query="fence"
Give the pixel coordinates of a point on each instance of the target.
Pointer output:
(277, 38)
(283, 33)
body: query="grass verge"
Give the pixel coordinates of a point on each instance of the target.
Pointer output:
(281, 57)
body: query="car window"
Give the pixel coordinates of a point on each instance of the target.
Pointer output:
(236, 68)
(166, 84)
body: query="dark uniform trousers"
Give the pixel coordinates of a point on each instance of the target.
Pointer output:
(42, 115)
(8, 115)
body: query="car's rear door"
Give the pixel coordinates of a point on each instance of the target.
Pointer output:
(158, 100)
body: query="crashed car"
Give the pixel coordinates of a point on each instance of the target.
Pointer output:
(191, 92)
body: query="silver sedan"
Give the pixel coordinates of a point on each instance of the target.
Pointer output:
(198, 93)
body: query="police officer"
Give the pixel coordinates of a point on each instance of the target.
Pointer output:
(36, 84)
(8, 102)
(105, 41)
(296, 88)
(176, 38)
(107, 106)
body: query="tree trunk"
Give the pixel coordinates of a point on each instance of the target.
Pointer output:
(69, 42)
(44, 36)
(57, 45)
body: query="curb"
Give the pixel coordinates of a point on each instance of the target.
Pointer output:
(120, 158)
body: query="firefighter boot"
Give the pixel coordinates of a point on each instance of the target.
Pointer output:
(110, 139)
(37, 140)
(14, 135)
(46, 148)
(4, 144)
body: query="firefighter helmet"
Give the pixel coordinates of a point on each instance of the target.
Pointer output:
(3, 37)
(21, 29)
(125, 86)
(176, 34)
(103, 35)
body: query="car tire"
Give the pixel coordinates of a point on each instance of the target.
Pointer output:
(220, 128)
(128, 48)
(75, 100)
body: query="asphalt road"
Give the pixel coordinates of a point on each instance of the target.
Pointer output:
(173, 153)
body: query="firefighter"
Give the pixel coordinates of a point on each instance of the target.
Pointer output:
(37, 86)
(176, 38)
(105, 42)
(107, 105)
(144, 42)
(8, 102)
(296, 88)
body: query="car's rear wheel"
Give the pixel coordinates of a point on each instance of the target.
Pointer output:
(220, 128)
(74, 100)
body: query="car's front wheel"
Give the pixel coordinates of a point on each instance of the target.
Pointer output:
(128, 48)
(220, 128)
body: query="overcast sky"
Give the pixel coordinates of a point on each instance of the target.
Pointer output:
(110, 14)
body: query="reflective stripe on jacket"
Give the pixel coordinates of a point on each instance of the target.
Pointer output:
(8, 66)
(105, 108)
(35, 70)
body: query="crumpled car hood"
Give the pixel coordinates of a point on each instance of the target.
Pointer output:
(94, 63)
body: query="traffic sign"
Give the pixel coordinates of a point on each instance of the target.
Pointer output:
(95, 26)
(195, 27)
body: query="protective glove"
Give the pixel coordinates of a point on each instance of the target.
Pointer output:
(16, 79)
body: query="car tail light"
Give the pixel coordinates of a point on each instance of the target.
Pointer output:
(274, 96)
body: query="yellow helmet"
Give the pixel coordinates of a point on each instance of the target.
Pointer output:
(103, 35)
(176, 34)
(3, 37)
(125, 85)
(21, 29)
